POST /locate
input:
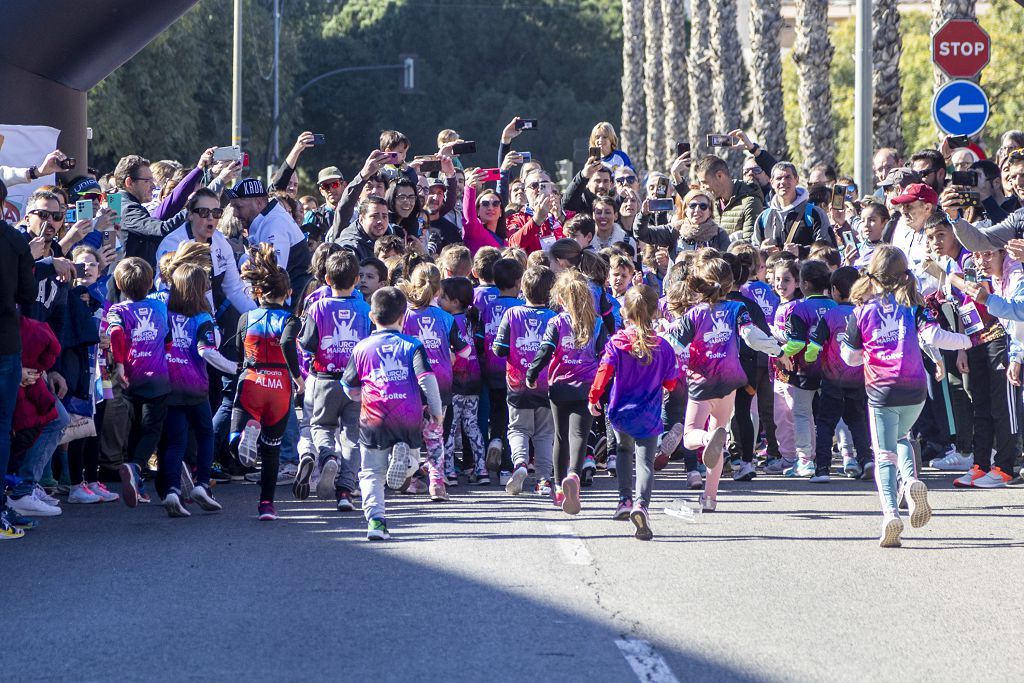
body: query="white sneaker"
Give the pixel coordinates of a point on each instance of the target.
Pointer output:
(820, 479)
(953, 461)
(30, 506)
(708, 504)
(494, 454)
(205, 500)
(286, 473)
(694, 480)
(917, 500)
(81, 493)
(515, 484)
(105, 495)
(713, 448)
(398, 466)
(892, 527)
(248, 445)
(172, 503)
(745, 472)
(993, 479)
(40, 494)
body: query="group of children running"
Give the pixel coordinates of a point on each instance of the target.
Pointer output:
(539, 352)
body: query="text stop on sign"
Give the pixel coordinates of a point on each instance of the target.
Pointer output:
(961, 48)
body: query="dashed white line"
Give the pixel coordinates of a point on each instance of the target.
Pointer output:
(570, 545)
(647, 664)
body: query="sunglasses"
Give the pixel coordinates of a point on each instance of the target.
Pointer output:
(626, 179)
(491, 203)
(1016, 155)
(330, 185)
(203, 212)
(55, 216)
(699, 205)
(92, 197)
(754, 170)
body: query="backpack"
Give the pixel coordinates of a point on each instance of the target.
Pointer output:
(763, 218)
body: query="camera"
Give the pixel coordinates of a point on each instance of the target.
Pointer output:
(595, 153)
(958, 141)
(68, 163)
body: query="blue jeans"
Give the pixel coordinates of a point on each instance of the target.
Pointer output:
(10, 379)
(890, 438)
(290, 440)
(31, 470)
(180, 419)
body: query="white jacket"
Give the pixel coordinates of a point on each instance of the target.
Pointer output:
(13, 176)
(226, 281)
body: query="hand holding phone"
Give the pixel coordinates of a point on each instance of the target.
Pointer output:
(682, 148)
(319, 139)
(839, 197)
(721, 140)
(526, 124)
(84, 210)
(595, 152)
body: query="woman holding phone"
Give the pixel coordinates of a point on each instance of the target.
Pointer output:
(483, 221)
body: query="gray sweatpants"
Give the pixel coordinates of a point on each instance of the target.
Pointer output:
(333, 409)
(643, 451)
(371, 479)
(532, 424)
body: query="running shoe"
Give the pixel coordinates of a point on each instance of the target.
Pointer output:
(202, 496)
(917, 500)
(669, 443)
(544, 488)
(494, 452)
(714, 447)
(953, 461)
(559, 497)
(287, 473)
(852, 470)
(248, 445)
(398, 467)
(869, 471)
(17, 520)
(267, 511)
(514, 486)
(40, 493)
(30, 506)
(415, 486)
(611, 465)
(693, 480)
(745, 472)
(377, 530)
(777, 466)
(81, 493)
(708, 504)
(589, 470)
(995, 478)
(480, 477)
(9, 532)
(300, 487)
(187, 485)
(822, 478)
(328, 473)
(105, 494)
(172, 503)
(345, 503)
(892, 527)
(504, 478)
(571, 491)
(623, 509)
(638, 515)
(967, 480)
(219, 476)
(438, 491)
(801, 468)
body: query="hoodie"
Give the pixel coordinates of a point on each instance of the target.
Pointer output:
(786, 224)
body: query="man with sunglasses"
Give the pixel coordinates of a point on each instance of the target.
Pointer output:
(976, 238)
(931, 166)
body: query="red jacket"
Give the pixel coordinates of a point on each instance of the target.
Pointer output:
(36, 406)
(526, 234)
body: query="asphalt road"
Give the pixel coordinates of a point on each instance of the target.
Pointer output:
(784, 583)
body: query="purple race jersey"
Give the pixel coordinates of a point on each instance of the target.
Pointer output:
(145, 327)
(762, 294)
(712, 334)
(894, 373)
(634, 404)
(465, 371)
(492, 367)
(803, 318)
(190, 336)
(572, 369)
(435, 328)
(341, 323)
(520, 333)
(829, 334)
(386, 365)
(778, 328)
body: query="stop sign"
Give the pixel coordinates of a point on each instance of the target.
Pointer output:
(960, 48)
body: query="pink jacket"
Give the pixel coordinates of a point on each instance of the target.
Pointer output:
(474, 233)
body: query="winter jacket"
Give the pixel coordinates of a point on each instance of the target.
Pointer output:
(739, 213)
(36, 405)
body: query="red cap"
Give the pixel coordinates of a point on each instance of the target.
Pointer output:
(917, 192)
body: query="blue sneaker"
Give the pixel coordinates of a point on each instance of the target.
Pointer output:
(18, 521)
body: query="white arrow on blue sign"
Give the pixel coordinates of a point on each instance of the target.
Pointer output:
(960, 108)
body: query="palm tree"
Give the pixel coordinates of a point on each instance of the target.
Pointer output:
(699, 77)
(727, 72)
(943, 11)
(769, 122)
(812, 53)
(886, 47)
(634, 119)
(673, 68)
(653, 88)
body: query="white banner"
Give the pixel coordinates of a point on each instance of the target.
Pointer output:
(25, 146)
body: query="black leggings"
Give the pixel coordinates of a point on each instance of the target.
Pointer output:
(572, 427)
(742, 427)
(84, 454)
(499, 423)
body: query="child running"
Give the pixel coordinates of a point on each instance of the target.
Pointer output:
(638, 364)
(267, 337)
(785, 275)
(386, 373)
(883, 334)
(571, 348)
(333, 325)
(518, 340)
(712, 330)
(194, 342)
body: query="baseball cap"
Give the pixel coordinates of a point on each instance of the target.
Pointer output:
(83, 186)
(329, 173)
(900, 176)
(247, 189)
(436, 182)
(916, 192)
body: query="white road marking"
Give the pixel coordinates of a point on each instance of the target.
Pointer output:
(571, 545)
(646, 663)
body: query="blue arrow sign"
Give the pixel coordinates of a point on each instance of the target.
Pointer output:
(960, 108)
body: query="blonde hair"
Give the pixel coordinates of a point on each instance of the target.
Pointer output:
(423, 285)
(445, 136)
(606, 129)
(710, 279)
(191, 253)
(516, 254)
(640, 309)
(887, 273)
(573, 292)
